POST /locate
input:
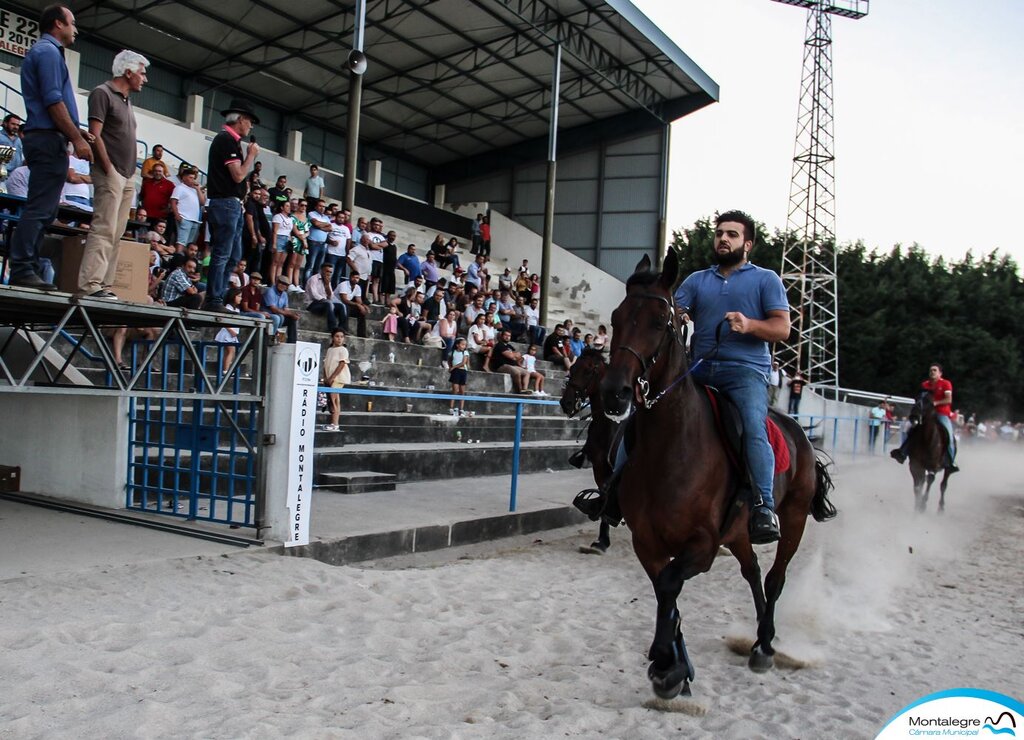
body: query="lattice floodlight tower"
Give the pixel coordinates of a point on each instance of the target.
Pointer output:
(809, 254)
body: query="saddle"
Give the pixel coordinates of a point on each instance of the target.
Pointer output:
(730, 429)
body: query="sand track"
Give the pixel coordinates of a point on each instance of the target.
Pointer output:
(530, 639)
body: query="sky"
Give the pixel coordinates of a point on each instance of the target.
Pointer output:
(929, 119)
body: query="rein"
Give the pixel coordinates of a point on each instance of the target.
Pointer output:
(649, 403)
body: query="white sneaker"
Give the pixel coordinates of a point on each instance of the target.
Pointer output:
(453, 412)
(295, 289)
(542, 393)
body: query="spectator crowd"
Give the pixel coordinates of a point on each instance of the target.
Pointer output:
(243, 243)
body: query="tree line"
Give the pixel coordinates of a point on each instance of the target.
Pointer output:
(903, 310)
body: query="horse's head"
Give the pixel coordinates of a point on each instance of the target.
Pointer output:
(645, 327)
(583, 380)
(923, 408)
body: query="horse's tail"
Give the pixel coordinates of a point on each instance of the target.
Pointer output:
(821, 508)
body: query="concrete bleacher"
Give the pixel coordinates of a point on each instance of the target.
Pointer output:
(377, 449)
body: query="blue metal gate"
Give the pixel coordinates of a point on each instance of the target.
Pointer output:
(197, 456)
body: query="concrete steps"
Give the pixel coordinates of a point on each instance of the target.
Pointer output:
(357, 481)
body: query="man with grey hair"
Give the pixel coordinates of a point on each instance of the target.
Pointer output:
(112, 123)
(226, 187)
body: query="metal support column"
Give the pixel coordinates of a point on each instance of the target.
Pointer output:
(549, 190)
(355, 95)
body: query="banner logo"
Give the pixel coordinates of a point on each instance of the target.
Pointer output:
(957, 713)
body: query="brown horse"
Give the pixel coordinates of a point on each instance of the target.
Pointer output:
(927, 444)
(677, 487)
(583, 385)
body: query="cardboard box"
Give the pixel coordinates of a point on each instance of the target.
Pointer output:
(10, 479)
(131, 282)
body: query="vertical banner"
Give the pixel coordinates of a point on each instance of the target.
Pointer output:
(300, 441)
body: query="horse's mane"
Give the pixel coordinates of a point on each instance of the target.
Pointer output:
(593, 352)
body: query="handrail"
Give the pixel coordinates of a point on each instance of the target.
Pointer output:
(182, 159)
(870, 395)
(81, 348)
(519, 403)
(145, 144)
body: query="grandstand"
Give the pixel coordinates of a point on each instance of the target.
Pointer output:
(454, 122)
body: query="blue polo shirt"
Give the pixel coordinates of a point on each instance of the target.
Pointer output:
(707, 296)
(45, 81)
(412, 263)
(271, 297)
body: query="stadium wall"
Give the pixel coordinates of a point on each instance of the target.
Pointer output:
(609, 199)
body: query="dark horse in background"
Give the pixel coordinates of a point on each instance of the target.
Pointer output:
(677, 491)
(927, 444)
(582, 386)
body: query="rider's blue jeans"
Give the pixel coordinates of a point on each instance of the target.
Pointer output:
(748, 390)
(948, 424)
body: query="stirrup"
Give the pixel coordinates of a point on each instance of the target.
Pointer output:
(591, 501)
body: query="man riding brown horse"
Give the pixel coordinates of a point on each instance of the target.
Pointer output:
(941, 391)
(752, 301)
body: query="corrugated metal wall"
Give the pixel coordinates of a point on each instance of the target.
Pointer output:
(162, 93)
(608, 200)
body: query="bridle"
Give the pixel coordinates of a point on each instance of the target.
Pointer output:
(580, 397)
(647, 364)
(670, 328)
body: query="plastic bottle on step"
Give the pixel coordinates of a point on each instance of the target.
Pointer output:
(391, 356)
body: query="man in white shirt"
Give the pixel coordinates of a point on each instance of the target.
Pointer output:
(323, 301)
(536, 332)
(774, 383)
(418, 284)
(351, 295)
(17, 181)
(359, 260)
(338, 243)
(187, 202)
(77, 191)
(376, 246)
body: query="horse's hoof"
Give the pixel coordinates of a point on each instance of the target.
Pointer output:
(760, 661)
(670, 683)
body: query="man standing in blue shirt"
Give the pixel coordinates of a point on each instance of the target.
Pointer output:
(51, 123)
(753, 302)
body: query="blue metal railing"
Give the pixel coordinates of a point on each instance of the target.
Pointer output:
(846, 432)
(518, 402)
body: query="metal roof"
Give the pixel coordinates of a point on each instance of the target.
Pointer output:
(447, 79)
